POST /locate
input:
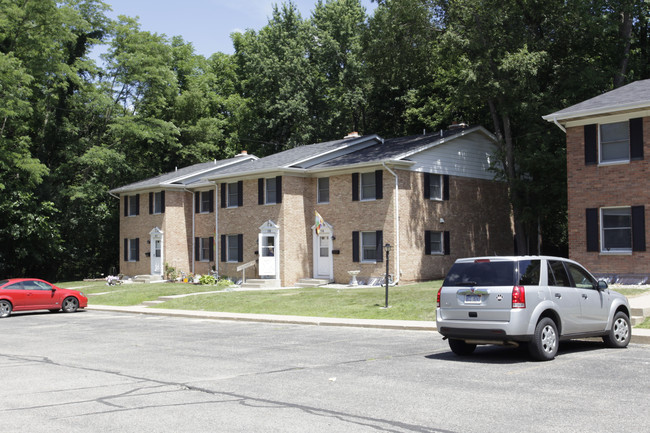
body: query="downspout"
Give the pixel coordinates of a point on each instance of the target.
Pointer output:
(397, 268)
(216, 230)
(193, 228)
(558, 125)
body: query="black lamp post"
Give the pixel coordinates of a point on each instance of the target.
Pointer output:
(387, 247)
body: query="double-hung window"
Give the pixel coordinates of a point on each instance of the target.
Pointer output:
(233, 194)
(269, 190)
(615, 142)
(436, 242)
(131, 250)
(204, 202)
(204, 249)
(367, 246)
(157, 202)
(368, 186)
(323, 190)
(132, 205)
(232, 248)
(616, 226)
(435, 187)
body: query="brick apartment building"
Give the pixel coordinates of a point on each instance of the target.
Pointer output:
(321, 210)
(608, 179)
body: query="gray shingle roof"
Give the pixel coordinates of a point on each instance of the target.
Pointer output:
(632, 96)
(185, 175)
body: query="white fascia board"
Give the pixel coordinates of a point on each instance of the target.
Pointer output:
(597, 111)
(253, 174)
(350, 168)
(479, 129)
(238, 160)
(368, 139)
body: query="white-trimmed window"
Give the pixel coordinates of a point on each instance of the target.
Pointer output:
(436, 245)
(271, 191)
(323, 190)
(232, 248)
(368, 186)
(133, 205)
(158, 199)
(131, 250)
(233, 194)
(435, 187)
(204, 248)
(369, 246)
(616, 229)
(615, 142)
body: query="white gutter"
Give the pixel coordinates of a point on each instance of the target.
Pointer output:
(216, 229)
(193, 228)
(397, 269)
(558, 125)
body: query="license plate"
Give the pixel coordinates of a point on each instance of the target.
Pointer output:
(473, 299)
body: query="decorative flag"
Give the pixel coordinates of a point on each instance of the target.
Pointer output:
(319, 222)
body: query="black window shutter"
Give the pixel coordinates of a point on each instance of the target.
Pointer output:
(240, 248)
(638, 228)
(162, 201)
(591, 144)
(126, 250)
(137, 249)
(210, 201)
(150, 203)
(197, 202)
(355, 186)
(427, 185)
(380, 246)
(447, 243)
(379, 184)
(592, 230)
(240, 193)
(260, 191)
(427, 242)
(278, 189)
(636, 138)
(355, 246)
(223, 194)
(211, 240)
(137, 204)
(445, 187)
(197, 249)
(223, 248)
(126, 205)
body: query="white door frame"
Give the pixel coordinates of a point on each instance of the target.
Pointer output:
(157, 268)
(269, 265)
(326, 230)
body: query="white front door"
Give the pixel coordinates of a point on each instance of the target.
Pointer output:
(156, 253)
(268, 255)
(324, 256)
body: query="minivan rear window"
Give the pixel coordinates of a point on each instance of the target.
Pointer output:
(482, 273)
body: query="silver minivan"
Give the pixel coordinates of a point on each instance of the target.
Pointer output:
(533, 300)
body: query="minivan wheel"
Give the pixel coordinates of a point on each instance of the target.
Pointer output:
(545, 341)
(619, 336)
(459, 347)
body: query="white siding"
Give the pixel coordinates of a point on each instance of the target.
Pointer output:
(467, 156)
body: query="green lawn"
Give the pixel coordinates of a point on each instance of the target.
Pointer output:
(409, 302)
(132, 294)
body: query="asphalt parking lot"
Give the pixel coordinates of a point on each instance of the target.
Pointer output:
(115, 372)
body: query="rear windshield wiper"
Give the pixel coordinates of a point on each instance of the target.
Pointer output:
(466, 283)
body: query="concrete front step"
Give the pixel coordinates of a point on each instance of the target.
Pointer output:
(311, 282)
(260, 283)
(146, 278)
(637, 320)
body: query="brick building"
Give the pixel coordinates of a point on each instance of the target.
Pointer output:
(608, 178)
(321, 210)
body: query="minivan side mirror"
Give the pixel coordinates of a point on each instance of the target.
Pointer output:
(602, 284)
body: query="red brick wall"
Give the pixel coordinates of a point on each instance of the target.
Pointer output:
(597, 186)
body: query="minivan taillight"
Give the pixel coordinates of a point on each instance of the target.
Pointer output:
(438, 298)
(518, 297)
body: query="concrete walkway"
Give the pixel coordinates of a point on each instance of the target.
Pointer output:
(637, 303)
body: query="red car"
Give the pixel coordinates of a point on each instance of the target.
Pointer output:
(24, 294)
